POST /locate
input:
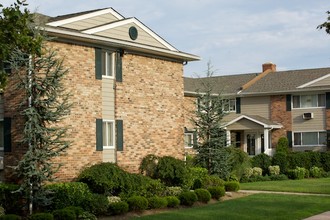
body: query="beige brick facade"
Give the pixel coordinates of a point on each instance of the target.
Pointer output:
(150, 103)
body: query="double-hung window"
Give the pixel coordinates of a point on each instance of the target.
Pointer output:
(229, 105)
(318, 138)
(308, 101)
(188, 140)
(108, 134)
(108, 64)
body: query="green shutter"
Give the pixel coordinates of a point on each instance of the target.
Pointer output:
(238, 105)
(289, 136)
(7, 134)
(119, 69)
(120, 135)
(98, 63)
(327, 100)
(99, 135)
(288, 103)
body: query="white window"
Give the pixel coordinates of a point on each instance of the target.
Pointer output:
(108, 134)
(188, 140)
(108, 64)
(229, 105)
(310, 138)
(308, 101)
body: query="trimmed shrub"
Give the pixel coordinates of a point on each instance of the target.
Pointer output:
(172, 201)
(263, 161)
(240, 160)
(188, 198)
(118, 208)
(113, 199)
(157, 202)
(10, 217)
(256, 171)
(274, 170)
(148, 165)
(232, 186)
(97, 204)
(64, 214)
(2, 211)
(278, 177)
(325, 161)
(280, 159)
(217, 192)
(41, 216)
(316, 172)
(297, 174)
(203, 195)
(173, 191)
(282, 145)
(213, 180)
(137, 203)
(197, 177)
(10, 201)
(77, 210)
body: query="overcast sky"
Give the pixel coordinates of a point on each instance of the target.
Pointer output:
(236, 36)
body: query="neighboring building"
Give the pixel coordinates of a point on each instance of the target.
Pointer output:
(268, 105)
(127, 93)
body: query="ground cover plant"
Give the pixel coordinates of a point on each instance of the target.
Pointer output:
(256, 206)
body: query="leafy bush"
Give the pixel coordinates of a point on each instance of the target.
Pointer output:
(232, 186)
(257, 171)
(240, 160)
(213, 180)
(197, 176)
(172, 201)
(148, 165)
(10, 217)
(2, 211)
(282, 145)
(113, 199)
(41, 216)
(278, 177)
(263, 161)
(217, 192)
(157, 202)
(298, 173)
(76, 209)
(274, 170)
(173, 191)
(325, 161)
(203, 195)
(137, 203)
(118, 208)
(188, 198)
(280, 159)
(316, 172)
(69, 194)
(97, 204)
(64, 214)
(10, 201)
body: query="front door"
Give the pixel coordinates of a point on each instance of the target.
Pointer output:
(251, 143)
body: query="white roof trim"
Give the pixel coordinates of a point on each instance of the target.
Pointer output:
(254, 120)
(85, 16)
(127, 21)
(313, 81)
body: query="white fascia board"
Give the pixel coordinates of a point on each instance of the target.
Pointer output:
(246, 117)
(85, 16)
(178, 54)
(313, 81)
(127, 21)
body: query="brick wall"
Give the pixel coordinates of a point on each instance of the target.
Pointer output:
(279, 114)
(150, 103)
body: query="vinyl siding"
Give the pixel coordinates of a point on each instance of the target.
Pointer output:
(109, 155)
(244, 124)
(318, 123)
(256, 106)
(323, 82)
(108, 99)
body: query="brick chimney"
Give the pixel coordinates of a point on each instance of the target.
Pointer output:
(269, 66)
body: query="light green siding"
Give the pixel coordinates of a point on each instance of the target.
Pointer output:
(259, 105)
(317, 123)
(244, 124)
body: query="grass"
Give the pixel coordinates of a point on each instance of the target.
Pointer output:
(256, 206)
(319, 186)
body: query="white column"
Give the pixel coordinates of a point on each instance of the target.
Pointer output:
(266, 140)
(228, 138)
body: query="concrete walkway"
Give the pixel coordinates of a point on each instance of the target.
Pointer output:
(322, 216)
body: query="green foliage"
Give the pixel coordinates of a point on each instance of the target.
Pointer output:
(316, 172)
(278, 177)
(256, 171)
(325, 25)
(203, 195)
(137, 203)
(263, 161)
(10, 198)
(157, 202)
(213, 180)
(274, 170)
(282, 145)
(325, 161)
(297, 174)
(188, 198)
(280, 159)
(217, 192)
(2, 211)
(172, 201)
(118, 208)
(97, 204)
(240, 161)
(10, 217)
(173, 191)
(148, 165)
(232, 186)
(198, 175)
(64, 214)
(41, 216)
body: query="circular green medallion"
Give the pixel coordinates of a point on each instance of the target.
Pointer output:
(133, 33)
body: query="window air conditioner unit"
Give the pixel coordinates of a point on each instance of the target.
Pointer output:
(308, 115)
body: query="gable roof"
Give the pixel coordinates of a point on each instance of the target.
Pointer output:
(106, 27)
(256, 119)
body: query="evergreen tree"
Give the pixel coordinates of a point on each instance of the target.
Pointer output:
(325, 25)
(211, 108)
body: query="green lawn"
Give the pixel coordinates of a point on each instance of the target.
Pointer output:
(321, 185)
(256, 206)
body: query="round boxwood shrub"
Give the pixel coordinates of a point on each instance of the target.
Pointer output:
(217, 192)
(41, 216)
(203, 195)
(232, 186)
(97, 204)
(137, 203)
(10, 217)
(118, 208)
(67, 214)
(172, 201)
(188, 198)
(157, 202)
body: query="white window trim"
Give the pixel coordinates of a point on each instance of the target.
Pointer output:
(316, 107)
(113, 60)
(192, 139)
(113, 132)
(312, 145)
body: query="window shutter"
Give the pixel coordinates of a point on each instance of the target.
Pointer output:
(195, 143)
(98, 63)
(327, 100)
(99, 135)
(120, 135)
(238, 105)
(289, 136)
(288, 103)
(119, 69)
(7, 134)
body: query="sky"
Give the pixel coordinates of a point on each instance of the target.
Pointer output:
(234, 36)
